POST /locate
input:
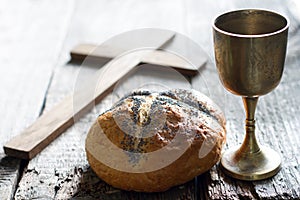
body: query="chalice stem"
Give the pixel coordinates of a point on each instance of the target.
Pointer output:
(250, 47)
(250, 144)
(250, 161)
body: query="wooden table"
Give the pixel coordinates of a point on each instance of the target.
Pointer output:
(36, 38)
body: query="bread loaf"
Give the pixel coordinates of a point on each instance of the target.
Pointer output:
(151, 141)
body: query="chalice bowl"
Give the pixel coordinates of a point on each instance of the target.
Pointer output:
(250, 48)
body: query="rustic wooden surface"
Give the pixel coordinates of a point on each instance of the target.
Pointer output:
(36, 38)
(32, 36)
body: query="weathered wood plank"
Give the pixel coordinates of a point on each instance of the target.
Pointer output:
(31, 37)
(62, 172)
(107, 18)
(278, 127)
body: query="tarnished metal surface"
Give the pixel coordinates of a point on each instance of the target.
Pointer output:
(250, 49)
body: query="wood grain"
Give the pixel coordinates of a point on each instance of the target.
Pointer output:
(51, 124)
(158, 57)
(61, 170)
(66, 173)
(27, 64)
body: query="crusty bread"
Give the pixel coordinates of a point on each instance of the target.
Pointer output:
(152, 141)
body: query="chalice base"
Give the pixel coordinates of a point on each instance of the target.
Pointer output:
(259, 165)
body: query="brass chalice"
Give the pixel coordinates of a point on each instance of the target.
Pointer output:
(250, 47)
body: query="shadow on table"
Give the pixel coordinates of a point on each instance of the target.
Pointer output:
(10, 172)
(92, 187)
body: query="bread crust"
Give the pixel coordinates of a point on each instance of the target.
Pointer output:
(150, 142)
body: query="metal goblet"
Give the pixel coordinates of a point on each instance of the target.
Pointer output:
(250, 48)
